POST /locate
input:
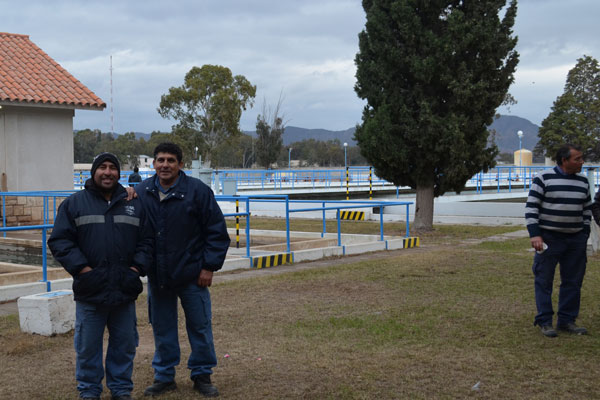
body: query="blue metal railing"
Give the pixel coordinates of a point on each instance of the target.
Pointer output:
(499, 178)
(325, 206)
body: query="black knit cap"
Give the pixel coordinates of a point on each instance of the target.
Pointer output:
(100, 158)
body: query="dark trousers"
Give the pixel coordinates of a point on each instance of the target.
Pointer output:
(162, 307)
(568, 250)
(90, 323)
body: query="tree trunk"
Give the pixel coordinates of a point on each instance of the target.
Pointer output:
(424, 208)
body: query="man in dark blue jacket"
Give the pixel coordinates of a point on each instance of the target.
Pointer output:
(191, 242)
(104, 242)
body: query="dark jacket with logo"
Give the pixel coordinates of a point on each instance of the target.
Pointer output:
(110, 237)
(190, 231)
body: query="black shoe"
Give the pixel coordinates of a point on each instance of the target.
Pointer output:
(548, 331)
(158, 388)
(203, 385)
(122, 397)
(572, 328)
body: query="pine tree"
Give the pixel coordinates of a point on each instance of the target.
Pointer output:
(433, 74)
(575, 115)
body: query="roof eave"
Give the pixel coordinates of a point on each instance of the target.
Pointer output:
(63, 106)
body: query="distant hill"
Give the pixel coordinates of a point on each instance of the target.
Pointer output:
(506, 128)
(294, 134)
(507, 139)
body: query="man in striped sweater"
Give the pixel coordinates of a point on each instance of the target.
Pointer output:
(558, 215)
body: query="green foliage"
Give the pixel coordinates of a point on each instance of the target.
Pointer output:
(84, 145)
(269, 131)
(269, 142)
(330, 153)
(433, 74)
(575, 115)
(235, 152)
(207, 107)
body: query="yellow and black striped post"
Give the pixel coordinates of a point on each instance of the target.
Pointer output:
(272, 260)
(410, 242)
(352, 215)
(370, 183)
(237, 224)
(347, 182)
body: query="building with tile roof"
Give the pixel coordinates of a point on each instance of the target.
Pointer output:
(38, 99)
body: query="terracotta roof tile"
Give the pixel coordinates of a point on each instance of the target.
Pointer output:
(27, 74)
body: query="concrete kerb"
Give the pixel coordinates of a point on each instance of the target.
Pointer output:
(351, 244)
(13, 292)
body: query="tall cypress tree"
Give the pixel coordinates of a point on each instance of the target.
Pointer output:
(575, 115)
(433, 73)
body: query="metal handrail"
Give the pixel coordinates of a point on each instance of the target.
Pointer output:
(246, 199)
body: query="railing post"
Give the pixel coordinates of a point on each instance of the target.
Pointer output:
(45, 261)
(324, 222)
(237, 224)
(287, 222)
(339, 227)
(407, 221)
(381, 221)
(248, 227)
(347, 183)
(370, 183)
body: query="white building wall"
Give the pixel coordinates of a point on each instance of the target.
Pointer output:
(36, 148)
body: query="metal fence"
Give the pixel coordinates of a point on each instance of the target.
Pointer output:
(290, 207)
(499, 178)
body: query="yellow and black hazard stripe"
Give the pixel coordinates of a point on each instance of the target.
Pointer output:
(410, 242)
(272, 260)
(353, 215)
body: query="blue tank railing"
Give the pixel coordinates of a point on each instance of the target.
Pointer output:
(499, 178)
(247, 201)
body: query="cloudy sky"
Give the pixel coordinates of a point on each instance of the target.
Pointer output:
(303, 49)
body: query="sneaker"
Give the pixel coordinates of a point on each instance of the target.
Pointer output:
(572, 328)
(203, 385)
(548, 331)
(158, 388)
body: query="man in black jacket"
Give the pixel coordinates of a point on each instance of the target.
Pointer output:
(191, 242)
(135, 177)
(103, 241)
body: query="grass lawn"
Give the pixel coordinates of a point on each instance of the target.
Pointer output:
(420, 324)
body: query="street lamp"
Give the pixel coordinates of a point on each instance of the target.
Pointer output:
(290, 158)
(520, 135)
(345, 157)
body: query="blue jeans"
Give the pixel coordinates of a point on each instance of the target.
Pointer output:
(568, 250)
(90, 320)
(162, 310)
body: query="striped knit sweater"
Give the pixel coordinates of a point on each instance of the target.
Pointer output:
(558, 202)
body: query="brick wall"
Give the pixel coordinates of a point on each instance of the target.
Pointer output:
(27, 210)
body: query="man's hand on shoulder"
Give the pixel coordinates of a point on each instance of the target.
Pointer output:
(131, 194)
(84, 270)
(205, 278)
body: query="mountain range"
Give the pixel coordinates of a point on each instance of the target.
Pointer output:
(506, 127)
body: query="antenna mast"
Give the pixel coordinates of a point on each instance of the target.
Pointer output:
(112, 126)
